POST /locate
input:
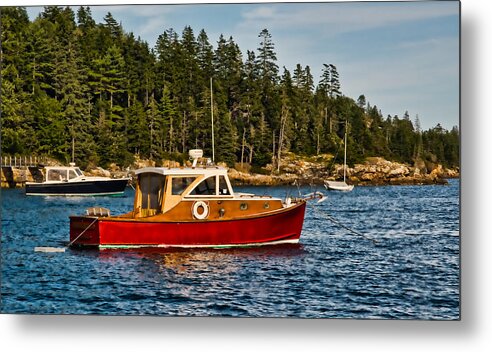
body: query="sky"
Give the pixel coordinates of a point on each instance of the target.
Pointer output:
(403, 56)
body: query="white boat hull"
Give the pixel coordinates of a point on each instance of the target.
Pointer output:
(338, 186)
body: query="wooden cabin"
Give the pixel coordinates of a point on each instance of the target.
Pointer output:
(194, 194)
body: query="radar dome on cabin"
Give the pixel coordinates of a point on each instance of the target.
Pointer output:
(195, 154)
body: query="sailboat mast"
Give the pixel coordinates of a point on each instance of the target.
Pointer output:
(212, 114)
(345, 154)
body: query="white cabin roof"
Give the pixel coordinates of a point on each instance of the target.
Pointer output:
(61, 167)
(199, 170)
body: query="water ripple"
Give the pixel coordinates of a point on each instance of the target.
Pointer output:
(410, 272)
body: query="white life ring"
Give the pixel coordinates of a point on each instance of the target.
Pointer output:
(196, 214)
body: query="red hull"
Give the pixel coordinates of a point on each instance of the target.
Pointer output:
(282, 226)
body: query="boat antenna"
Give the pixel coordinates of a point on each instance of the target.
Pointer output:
(73, 148)
(212, 114)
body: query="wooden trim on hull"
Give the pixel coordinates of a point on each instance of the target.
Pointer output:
(283, 226)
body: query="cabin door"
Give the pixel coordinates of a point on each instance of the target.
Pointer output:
(151, 193)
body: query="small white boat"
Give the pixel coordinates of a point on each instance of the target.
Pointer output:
(341, 185)
(338, 186)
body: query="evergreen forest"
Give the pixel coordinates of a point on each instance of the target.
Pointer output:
(66, 79)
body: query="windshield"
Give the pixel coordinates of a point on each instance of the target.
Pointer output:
(206, 187)
(223, 188)
(72, 174)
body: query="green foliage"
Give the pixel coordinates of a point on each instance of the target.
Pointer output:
(66, 78)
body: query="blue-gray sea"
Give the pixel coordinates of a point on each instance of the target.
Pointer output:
(401, 261)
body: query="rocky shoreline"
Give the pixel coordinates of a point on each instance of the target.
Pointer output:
(374, 171)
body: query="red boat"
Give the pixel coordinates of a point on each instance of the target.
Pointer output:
(191, 207)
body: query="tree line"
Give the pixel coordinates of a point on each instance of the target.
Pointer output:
(69, 81)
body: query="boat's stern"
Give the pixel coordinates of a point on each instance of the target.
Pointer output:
(84, 231)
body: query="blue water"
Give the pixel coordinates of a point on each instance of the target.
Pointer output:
(402, 262)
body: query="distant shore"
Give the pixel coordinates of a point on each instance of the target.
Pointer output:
(293, 170)
(374, 172)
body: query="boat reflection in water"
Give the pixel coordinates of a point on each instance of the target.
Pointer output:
(198, 260)
(193, 207)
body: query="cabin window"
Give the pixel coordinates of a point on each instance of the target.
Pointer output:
(78, 172)
(223, 187)
(206, 187)
(72, 174)
(152, 191)
(179, 184)
(57, 175)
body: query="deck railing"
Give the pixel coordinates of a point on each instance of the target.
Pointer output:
(21, 161)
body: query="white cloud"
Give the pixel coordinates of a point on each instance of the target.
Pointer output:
(336, 18)
(260, 13)
(142, 12)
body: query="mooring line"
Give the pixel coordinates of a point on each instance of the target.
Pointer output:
(345, 227)
(62, 249)
(76, 238)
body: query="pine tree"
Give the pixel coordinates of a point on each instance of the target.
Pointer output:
(153, 122)
(114, 79)
(165, 53)
(377, 132)
(204, 55)
(166, 130)
(452, 148)
(304, 125)
(419, 143)
(190, 68)
(270, 99)
(285, 129)
(41, 56)
(107, 81)
(361, 101)
(226, 139)
(14, 27)
(138, 133)
(84, 19)
(51, 127)
(228, 65)
(266, 60)
(74, 103)
(325, 80)
(115, 29)
(334, 82)
(251, 108)
(330, 81)
(12, 105)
